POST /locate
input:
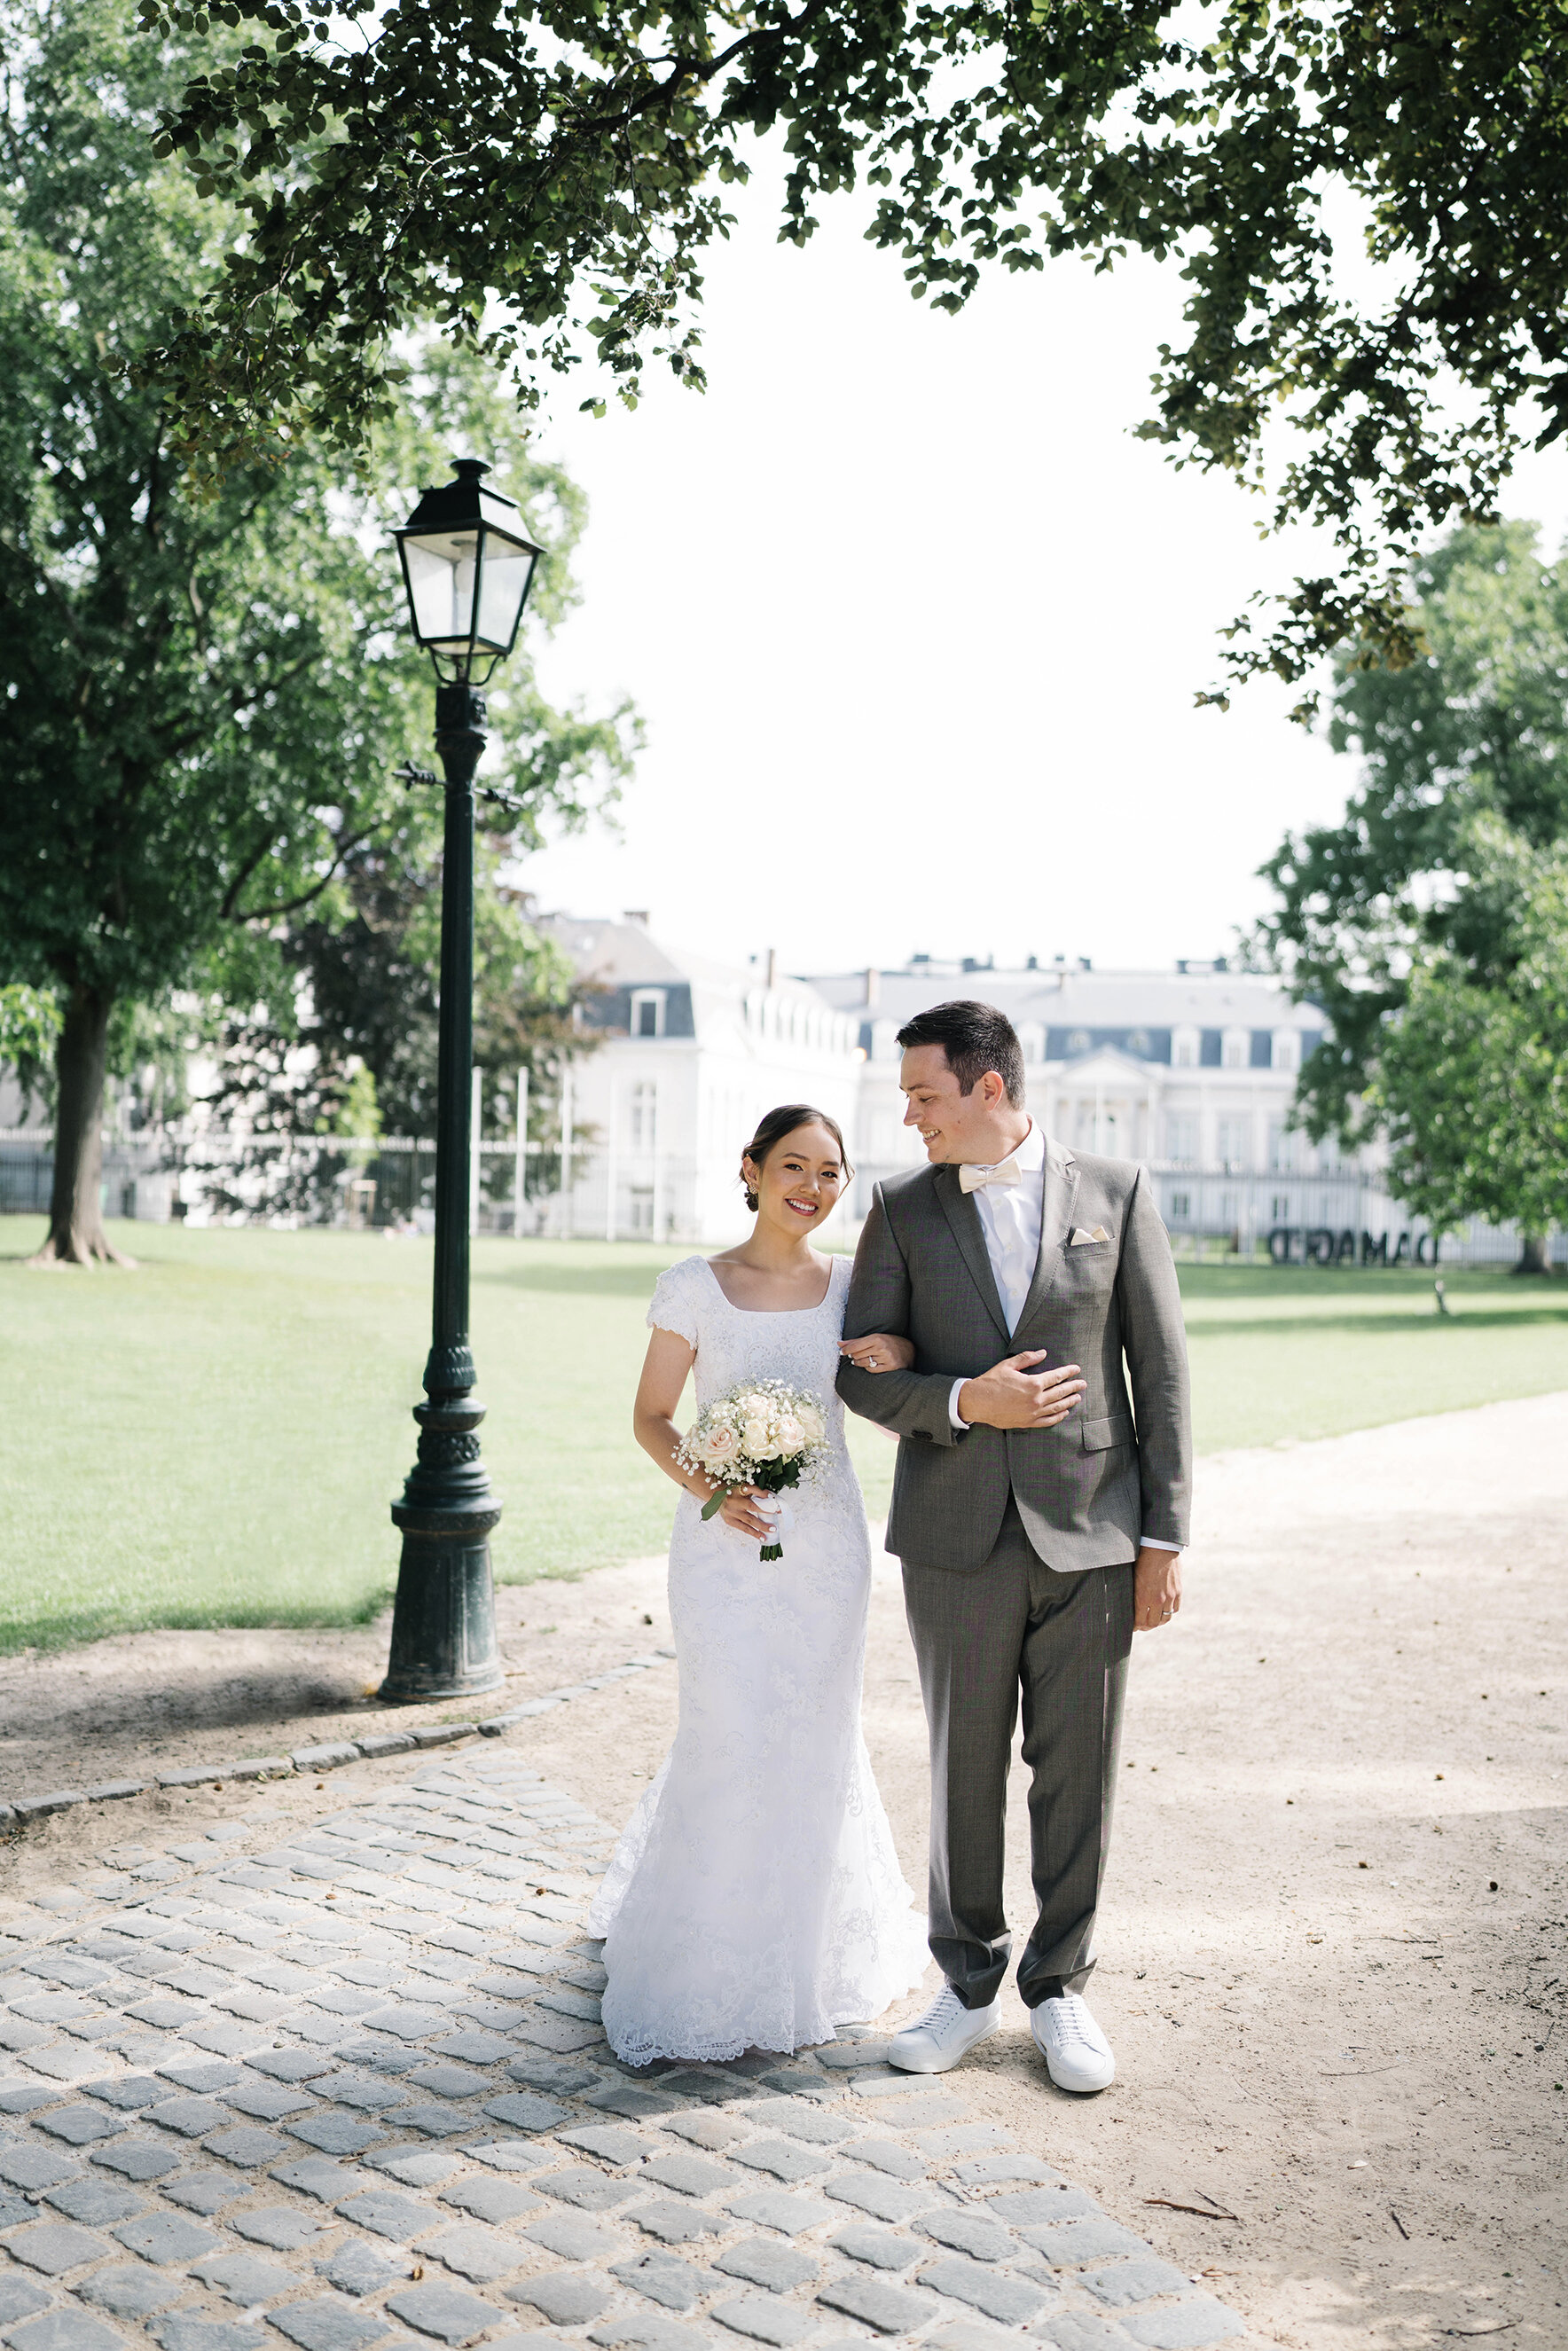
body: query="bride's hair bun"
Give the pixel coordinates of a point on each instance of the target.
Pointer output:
(771, 1131)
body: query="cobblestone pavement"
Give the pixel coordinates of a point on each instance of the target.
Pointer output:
(354, 2090)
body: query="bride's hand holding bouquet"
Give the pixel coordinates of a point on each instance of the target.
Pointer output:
(750, 1444)
(759, 1438)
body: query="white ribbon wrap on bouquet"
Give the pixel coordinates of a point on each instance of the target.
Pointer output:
(774, 1507)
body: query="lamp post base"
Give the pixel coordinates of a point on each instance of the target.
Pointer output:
(443, 1625)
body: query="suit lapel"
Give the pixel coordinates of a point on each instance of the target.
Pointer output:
(958, 1208)
(1055, 1225)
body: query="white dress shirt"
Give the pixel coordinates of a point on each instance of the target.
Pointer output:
(1011, 1215)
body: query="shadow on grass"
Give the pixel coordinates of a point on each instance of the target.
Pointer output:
(73, 1629)
(1354, 1324)
(1256, 1281)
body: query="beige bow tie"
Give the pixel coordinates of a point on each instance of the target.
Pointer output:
(974, 1180)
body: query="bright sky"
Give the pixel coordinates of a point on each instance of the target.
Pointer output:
(915, 626)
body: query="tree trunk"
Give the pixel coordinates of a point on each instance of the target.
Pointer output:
(76, 1216)
(1533, 1257)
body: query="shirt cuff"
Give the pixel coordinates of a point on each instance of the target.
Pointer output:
(953, 1413)
(1156, 1543)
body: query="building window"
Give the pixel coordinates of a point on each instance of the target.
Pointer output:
(1181, 1208)
(1282, 1147)
(1078, 1040)
(1138, 1042)
(1235, 1051)
(641, 1203)
(1232, 1142)
(648, 1013)
(1181, 1138)
(1280, 1208)
(644, 1116)
(1184, 1048)
(1287, 1053)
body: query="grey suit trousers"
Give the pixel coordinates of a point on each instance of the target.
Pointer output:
(984, 1637)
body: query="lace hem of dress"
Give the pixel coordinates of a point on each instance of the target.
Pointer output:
(645, 2049)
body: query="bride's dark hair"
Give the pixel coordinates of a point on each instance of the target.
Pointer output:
(771, 1131)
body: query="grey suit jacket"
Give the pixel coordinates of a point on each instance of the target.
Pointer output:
(1116, 1469)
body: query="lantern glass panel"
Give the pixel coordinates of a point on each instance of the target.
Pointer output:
(503, 584)
(441, 570)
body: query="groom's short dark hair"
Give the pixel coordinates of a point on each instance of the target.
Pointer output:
(975, 1038)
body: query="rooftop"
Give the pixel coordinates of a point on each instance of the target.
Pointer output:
(1197, 994)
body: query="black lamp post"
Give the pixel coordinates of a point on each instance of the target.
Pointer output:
(468, 565)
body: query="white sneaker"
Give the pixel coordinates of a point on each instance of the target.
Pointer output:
(1077, 2054)
(943, 2036)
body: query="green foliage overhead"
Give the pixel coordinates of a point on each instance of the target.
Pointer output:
(204, 697)
(1430, 922)
(1476, 727)
(541, 179)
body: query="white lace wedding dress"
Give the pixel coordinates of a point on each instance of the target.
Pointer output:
(756, 1900)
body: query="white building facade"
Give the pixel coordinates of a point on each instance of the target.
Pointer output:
(1192, 1072)
(691, 1053)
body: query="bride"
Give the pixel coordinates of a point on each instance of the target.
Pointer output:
(755, 1900)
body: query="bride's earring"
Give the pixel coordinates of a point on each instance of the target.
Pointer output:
(751, 1200)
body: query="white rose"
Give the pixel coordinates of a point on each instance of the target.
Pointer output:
(790, 1433)
(720, 1445)
(756, 1438)
(813, 1422)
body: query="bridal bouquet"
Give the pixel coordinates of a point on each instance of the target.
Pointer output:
(763, 1432)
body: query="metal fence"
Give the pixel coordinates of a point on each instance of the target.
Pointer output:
(389, 1181)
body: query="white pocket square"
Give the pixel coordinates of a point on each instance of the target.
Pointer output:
(1080, 1239)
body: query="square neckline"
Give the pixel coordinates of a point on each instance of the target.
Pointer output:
(706, 1263)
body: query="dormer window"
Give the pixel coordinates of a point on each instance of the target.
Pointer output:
(647, 1012)
(1287, 1048)
(1237, 1049)
(1185, 1045)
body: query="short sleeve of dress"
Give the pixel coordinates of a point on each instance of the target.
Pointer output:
(675, 1306)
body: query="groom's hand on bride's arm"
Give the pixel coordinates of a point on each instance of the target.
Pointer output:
(1013, 1395)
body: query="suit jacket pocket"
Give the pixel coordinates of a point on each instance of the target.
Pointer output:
(1100, 1436)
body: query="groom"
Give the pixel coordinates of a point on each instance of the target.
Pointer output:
(1038, 1512)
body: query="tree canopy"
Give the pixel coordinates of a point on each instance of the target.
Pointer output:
(1429, 923)
(1471, 1083)
(1359, 199)
(206, 697)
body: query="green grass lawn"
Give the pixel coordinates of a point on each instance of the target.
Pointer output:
(213, 1439)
